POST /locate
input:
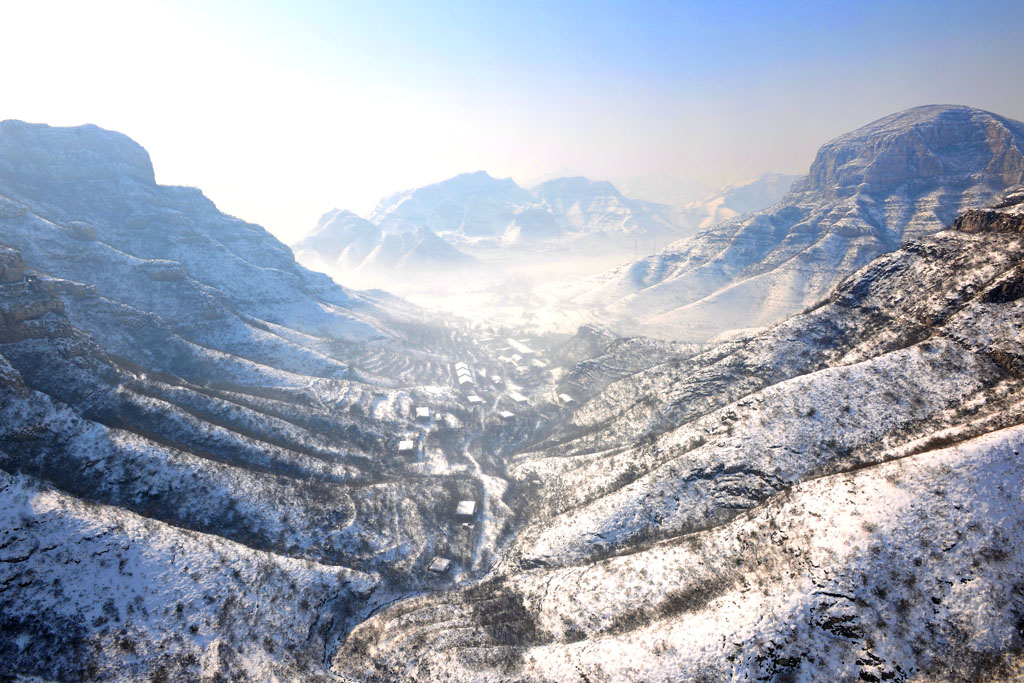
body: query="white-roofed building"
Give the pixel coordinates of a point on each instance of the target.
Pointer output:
(466, 509)
(439, 565)
(520, 347)
(518, 398)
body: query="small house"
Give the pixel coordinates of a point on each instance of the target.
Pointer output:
(466, 510)
(406, 447)
(496, 379)
(566, 399)
(474, 399)
(518, 398)
(520, 347)
(439, 565)
(422, 414)
(505, 415)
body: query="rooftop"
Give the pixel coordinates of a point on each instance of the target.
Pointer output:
(439, 565)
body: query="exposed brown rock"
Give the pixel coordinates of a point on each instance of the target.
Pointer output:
(986, 220)
(12, 269)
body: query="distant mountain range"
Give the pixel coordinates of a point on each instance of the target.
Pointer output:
(347, 243)
(461, 221)
(737, 199)
(906, 175)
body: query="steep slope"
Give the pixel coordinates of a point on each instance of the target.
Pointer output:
(95, 189)
(837, 497)
(903, 176)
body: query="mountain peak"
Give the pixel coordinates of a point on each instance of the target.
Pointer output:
(577, 185)
(336, 215)
(476, 181)
(72, 154)
(924, 142)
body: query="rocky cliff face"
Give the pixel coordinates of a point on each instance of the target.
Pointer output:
(906, 175)
(980, 220)
(921, 145)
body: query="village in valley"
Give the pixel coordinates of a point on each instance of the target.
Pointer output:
(510, 396)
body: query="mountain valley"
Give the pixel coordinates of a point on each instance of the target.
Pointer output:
(218, 464)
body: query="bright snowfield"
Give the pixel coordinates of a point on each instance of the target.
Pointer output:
(213, 462)
(489, 250)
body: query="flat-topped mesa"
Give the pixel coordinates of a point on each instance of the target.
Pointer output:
(921, 144)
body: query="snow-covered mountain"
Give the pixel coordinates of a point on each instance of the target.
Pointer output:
(590, 206)
(474, 228)
(836, 498)
(473, 210)
(346, 244)
(200, 465)
(906, 175)
(470, 204)
(217, 465)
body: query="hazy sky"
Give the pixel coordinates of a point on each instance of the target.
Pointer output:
(280, 111)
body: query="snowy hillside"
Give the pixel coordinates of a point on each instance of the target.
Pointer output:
(836, 498)
(903, 176)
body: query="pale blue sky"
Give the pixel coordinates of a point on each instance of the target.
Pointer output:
(280, 111)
